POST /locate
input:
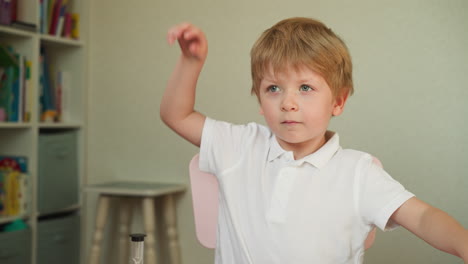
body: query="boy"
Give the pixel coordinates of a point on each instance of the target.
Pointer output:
(288, 192)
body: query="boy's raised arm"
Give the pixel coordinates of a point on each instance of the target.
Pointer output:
(433, 226)
(177, 105)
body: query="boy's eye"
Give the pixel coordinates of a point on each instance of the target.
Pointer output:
(305, 88)
(273, 88)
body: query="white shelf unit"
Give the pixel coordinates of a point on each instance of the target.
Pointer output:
(22, 138)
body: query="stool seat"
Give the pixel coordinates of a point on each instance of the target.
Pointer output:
(125, 192)
(126, 188)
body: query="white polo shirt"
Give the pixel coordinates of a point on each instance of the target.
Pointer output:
(274, 209)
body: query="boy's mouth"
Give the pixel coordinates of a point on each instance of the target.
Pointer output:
(290, 122)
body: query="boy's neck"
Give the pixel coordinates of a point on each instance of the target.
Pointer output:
(303, 149)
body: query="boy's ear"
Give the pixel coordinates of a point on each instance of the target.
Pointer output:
(339, 104)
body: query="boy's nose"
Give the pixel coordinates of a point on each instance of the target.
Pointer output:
(289, 103)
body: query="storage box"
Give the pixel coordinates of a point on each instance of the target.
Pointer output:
(58, 171)
(58, 240)
(15, 247)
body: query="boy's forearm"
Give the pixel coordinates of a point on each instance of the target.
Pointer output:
(179, 97)
(443, 232)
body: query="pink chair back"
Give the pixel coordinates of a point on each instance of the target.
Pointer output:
(205, 205)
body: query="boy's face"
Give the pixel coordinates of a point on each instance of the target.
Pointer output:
(298, 106)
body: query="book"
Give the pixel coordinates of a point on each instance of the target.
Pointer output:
(28, 96)
(13, 185)
(11, 84)
(43, 16)
(25, 14)
(61, 19)
(58, 96)
(19, 163)
(63, 96)
(14, 10)
(12, 189)
(68, 26)
(7, 58)
(49, 14)
(6, 95)
(17, 90)
(2, 193)
(46, 89)
(75, 28)
(12, 195)
(5, 12)
(55, 17)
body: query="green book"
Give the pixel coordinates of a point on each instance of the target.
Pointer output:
(7, 58)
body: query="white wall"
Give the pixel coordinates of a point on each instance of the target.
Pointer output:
(411, 64)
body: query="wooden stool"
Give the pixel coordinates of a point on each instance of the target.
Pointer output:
(146, 192)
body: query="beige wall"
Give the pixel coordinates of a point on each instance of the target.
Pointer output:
(411, 65)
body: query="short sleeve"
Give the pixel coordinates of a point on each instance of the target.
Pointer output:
(222, 145)
(380, 194)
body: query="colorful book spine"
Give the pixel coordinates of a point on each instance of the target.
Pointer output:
(26, 14)
(6, 9)
(61, 19)
(55, 17)
(44, 18)
(13, 186)
(7, 87)
(47, 92)
(68, 26)
(13, 85)
(75, 31)
(28, 97)
(49, 14)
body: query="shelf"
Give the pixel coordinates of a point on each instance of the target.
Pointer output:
(70, 125)
(13, 32)
(14, 125)
(7, 219)
(50, 40)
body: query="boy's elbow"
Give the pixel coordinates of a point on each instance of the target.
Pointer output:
(170, 118)
(164, 115)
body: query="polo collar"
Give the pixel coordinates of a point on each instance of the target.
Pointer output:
(317, 159)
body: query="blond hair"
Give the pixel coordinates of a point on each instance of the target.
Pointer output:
(298, 42)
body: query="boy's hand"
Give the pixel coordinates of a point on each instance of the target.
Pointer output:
(191, 39)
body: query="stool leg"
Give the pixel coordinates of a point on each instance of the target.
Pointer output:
(101, 217)
(149, 220)
(171, 225)
(125, 214)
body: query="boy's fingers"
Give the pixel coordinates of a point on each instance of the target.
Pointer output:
(176, 32)
(193, 49)
(191, 39)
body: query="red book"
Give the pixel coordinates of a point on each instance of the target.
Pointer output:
(68, 25)
(55, 17)
(14, 10)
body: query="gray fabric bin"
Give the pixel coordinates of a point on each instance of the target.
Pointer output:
(15, 247)
(58, 240)
(58, 171)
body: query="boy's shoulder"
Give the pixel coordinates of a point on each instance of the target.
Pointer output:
(252, 128)
(357, 157)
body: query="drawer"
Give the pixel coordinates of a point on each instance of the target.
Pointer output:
(58, 240)
(58, 171)
(15, 247)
